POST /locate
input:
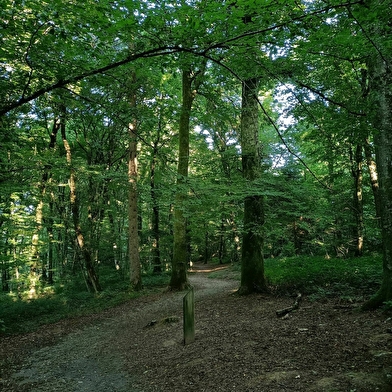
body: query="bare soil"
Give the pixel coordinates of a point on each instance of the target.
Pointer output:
(241, 345)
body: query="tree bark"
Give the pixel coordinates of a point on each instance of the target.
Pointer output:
(252, 264)
(133, 222)
(49, 229)
(221, 249)
(206, 253)
(49, 221)
(356, 170)
(36, 263)
(191, 81)
(133, 217)
(179, 280)
(91, 276)
(381, 92)
(372, 167)
(156, 252)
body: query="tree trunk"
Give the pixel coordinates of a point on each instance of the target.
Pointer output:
(206, 254)
(134, 255)
(179, 279)
(156, 252)
(91, 276)
(49, 221)
(50, 243)
(221, 250)
(381, 91)
(252, 264)
(133, 216)
(372, 167)
(36, 264)
(356, 171)
(114, 240)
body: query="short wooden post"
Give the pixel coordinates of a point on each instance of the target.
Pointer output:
(189, 317)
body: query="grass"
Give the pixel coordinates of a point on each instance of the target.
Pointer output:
(19, 314)
(336, 277)
(317, 277)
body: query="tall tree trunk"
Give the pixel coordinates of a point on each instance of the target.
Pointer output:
(381, 91)
(252, 264)
(156, 252)
(133, 237)
(356, 171)
(49, 221)
(91, 276)
(133, 217)
(235, 239)
(49, 229)
(372, 167)
(96, 213)
(206, 253)
(179, 279)
(221, 249)
(191, 81)
(37, 263)
(114, 240)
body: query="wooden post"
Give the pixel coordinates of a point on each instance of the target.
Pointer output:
(189, 317)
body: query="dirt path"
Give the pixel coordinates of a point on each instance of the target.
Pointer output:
(240, 346)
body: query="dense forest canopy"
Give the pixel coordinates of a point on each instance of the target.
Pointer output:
(141, 136)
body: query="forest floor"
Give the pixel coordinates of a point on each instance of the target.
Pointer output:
(240, 345)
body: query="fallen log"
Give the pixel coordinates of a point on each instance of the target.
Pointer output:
(295, 306)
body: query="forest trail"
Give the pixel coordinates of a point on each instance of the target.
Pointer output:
(240, 346)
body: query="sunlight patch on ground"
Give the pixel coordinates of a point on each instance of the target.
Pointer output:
(206, 268)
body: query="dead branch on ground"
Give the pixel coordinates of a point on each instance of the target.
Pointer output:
(295, 306)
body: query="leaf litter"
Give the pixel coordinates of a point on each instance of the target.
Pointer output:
(240, 345)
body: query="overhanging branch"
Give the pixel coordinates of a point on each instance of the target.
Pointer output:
(166, 50)
(161, 51)
(272, 122)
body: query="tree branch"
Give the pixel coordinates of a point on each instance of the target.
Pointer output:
(225, 43)
(164, 50)
(330, 100)
(368, 37)
(272, 122)
(161, 51)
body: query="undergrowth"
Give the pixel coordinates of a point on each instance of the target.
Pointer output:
(66, 299)
(321, 277)
(318, 277)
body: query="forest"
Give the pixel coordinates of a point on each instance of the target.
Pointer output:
(139, 138)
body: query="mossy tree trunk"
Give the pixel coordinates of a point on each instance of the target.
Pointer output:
(252, 264)
(191, 81)
(179, 280)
